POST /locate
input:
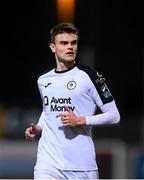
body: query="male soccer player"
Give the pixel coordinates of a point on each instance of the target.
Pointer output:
(71, 94)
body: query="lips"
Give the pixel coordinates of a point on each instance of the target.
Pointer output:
(70, 53)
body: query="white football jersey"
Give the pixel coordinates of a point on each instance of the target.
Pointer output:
(82, 90)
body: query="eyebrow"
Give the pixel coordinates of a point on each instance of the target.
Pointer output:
(74, 41)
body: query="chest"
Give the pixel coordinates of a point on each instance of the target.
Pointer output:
(64, 87)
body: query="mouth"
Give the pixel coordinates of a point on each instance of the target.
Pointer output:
(70, 53)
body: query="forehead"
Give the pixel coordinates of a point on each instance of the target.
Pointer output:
(66, 37)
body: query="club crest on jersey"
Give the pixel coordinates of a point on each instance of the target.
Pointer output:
(71, 85)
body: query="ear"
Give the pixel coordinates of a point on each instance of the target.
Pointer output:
(52, 47)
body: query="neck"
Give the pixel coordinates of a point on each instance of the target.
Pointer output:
(64, 66)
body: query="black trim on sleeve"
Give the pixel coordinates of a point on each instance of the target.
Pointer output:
(99, 83)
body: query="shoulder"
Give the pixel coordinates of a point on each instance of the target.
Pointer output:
(93, 74)
(45, 74)
(99, 83)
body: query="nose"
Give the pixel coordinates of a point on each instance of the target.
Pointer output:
(70, 46)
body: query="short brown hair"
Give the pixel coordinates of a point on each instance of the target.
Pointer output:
(63, 28)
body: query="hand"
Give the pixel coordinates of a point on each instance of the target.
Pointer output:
(70, 119)
(32, 131)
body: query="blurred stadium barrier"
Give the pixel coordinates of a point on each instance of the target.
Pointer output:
(17, 159)
(115, 158)
(14, 120)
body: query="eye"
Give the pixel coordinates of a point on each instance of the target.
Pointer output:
(74, 42)
(64, 42)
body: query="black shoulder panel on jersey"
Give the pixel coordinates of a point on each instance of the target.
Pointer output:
(99, 82)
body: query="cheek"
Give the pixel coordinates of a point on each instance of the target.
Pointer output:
(60, 51)
(75, 48)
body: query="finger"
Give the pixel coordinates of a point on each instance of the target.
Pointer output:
(61, 115)
(28, 135)
(33, 126)
(31, 137)
(65, 122)
(68, 109)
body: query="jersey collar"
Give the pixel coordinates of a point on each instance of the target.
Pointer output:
(59, 72)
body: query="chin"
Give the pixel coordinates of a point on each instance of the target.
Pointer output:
(69, 60)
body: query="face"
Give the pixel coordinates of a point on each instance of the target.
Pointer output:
(65, 47)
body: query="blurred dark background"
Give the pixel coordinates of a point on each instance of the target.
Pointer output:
(113, 29)
(111, 40)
